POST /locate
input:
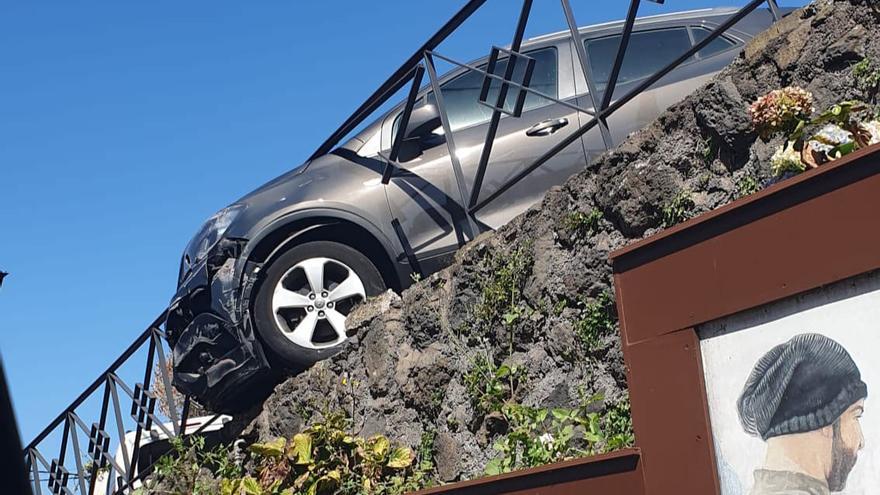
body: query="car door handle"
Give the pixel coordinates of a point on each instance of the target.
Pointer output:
(547, 127)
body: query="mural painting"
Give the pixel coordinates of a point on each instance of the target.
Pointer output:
(789, 392)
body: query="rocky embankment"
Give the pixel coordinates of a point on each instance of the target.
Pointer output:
(525, 315)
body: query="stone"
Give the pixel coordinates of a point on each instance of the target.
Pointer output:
(724, 114)
(446, 457)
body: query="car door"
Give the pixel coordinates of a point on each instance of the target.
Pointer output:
(424, 195)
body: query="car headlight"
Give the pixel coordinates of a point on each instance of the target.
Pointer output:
(211, 232)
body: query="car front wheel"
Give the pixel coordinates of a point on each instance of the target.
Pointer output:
(301, 305)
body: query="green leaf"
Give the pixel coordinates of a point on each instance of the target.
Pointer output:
(250, 486)
(561, 414)
(503, 371)
(230, 487)
(494, 467)
(401, 458)
(273, 450)
(541, 415)
(301, 449)
(327, 482)
(378, 447)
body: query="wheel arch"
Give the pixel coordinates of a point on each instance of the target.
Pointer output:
(328, 225)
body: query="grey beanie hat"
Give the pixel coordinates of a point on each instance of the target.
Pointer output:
(799, 386)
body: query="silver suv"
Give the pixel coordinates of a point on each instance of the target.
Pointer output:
(269, 280)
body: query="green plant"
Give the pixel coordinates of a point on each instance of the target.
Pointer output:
(617, 423)
(426, 451)
(709, 151)
(746, 185)
(867, 77)
(415, 277)
(503, 290)
(491, 386)
(326, 459)
(678, 209)
(582, 224)
(597, 319)
(181, 470)
(540, 436)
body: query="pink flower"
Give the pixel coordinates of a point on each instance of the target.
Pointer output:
(780, 110)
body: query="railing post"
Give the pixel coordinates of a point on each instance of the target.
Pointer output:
(450, 145)
(581, 51)
(515, 47)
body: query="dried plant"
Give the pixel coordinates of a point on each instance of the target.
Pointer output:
(781, 110)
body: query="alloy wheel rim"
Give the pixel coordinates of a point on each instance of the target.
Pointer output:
(312, 299)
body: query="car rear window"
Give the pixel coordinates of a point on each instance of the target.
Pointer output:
(648, 52)
(716, 46)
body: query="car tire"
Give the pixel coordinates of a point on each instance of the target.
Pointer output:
(301, 304)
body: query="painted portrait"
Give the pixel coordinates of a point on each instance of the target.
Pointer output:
(789, 388)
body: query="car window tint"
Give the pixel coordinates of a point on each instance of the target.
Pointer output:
(647, 52)
(717, 45)
(461, 95)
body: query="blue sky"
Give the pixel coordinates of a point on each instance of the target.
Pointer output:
(123, 125)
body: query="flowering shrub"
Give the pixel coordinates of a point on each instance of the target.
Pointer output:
(835, 132)
(781, 110)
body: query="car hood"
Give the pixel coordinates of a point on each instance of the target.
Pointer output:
(341, 179)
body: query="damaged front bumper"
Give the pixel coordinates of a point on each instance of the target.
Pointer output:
(216, 355)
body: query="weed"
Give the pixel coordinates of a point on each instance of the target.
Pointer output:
(491, 386)
(746, 185)
(867, 77)
(559, 307)
(709, 151)
(597, 320)
(426, 451)
(541, 436)
(326, 459)
(500, 295)
(580, 224)
(183, 466)
(677, 210)
(617, 423)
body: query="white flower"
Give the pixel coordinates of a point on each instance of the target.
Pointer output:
(873, 128)
(786, 159)
(833, 135)
(546, 439)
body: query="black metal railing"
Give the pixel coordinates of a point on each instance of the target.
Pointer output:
(92, 449)
(133, 409)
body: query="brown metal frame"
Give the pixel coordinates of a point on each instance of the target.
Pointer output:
(615, 473)
(816, 229)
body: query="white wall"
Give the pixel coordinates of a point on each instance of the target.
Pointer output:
(848, 312)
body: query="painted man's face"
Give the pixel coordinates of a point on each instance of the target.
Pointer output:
(847, 442)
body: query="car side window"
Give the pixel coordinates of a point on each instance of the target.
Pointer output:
(717, 45)
(647, 52)
(461, 95)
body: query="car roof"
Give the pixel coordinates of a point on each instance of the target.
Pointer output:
(639, 22)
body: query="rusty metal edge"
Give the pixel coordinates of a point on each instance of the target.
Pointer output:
(546, 471)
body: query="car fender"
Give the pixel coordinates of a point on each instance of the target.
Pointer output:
(247, 266)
